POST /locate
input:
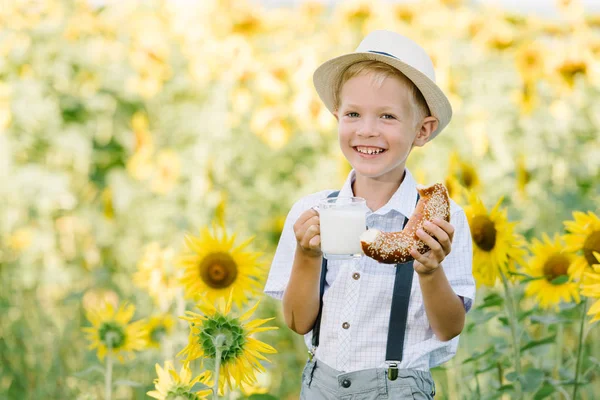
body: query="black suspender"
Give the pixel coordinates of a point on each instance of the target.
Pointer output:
(398, 313)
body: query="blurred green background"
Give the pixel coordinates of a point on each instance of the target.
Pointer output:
(127, 124)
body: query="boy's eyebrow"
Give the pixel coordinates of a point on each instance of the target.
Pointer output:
(379, 109)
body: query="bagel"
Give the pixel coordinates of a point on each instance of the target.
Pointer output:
(394, 247)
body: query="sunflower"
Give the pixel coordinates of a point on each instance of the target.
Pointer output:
(170, 385)
(213, 266)
(496, 247)
(241, 353)
(461, 175)
(111, 333)
(157, 327)
(550, 264)
(157, 275)
(583, 239)
(591, 289)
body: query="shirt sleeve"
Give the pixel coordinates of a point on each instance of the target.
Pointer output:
(458, 264)
(281, 266)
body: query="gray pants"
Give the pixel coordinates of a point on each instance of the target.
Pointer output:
(321, 382)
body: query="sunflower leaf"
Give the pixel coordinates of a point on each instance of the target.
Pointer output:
(262, 396)
(547, 319)
(478, 355)
(492, 300)
(535, 343)
(198, 386)
(545, 391)
(532, 379)
(561, 280)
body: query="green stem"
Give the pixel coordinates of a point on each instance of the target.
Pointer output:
(512, 318)
(108, 377)
(559, 345)
(580, 348)
(219, 341)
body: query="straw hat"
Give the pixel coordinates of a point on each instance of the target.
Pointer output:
(401, 53)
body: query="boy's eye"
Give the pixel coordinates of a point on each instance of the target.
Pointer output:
(352, 114)
(388, 116)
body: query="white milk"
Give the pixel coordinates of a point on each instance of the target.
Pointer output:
(341, 228)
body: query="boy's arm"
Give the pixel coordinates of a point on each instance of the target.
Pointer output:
(445, 310)
(301, 297)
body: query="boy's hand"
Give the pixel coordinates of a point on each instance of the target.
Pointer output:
(442, 231)
(308, 233)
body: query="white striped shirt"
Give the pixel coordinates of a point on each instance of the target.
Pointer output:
(359, 292)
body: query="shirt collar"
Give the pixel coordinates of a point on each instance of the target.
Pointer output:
(403, 200)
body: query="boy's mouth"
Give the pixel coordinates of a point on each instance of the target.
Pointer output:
(368, 151)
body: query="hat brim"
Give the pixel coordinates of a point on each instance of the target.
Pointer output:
(327, 75)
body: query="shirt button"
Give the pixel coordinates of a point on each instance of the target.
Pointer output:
(345, 325)
(346, 383)
(356, 276)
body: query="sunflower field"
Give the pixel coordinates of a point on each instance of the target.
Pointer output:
(150, 151)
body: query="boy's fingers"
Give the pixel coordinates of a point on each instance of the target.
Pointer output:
(440, 235)
(433, 244)
(315, 241)
(311, 232)
(446, 226)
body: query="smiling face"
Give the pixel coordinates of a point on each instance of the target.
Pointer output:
(377, 126)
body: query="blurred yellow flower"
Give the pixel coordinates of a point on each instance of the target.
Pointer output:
(141, 130)
(261, 386)
(529, 59)
(173, 386)
(550, 264)
(496, 247)
(591, 288)
(157, 274)
(107, 203)
(271, 125)
(241, 353)
(523, 175)
(214, 267)
(167, 172)
(157, 327)
(111, 332)
(20, 239)
(95, 298)
(5, 112)
(583, 239)
(461, 175)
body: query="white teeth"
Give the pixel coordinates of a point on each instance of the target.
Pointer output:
(369, 150)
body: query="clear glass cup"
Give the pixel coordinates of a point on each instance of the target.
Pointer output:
(343, 220)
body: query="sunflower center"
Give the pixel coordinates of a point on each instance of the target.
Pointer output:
(218, 270)
(484, 232)
(157, 333)
(180, 392)
(112, 334)
(556, 266)
(591, 245)
(468, 177)
(231, 329)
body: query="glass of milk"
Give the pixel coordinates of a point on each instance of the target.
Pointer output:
(343, 220)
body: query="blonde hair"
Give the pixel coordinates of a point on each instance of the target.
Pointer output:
(381, 71)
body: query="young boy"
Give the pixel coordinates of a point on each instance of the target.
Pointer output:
(386, 102)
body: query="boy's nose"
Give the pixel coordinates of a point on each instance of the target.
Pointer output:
(367, 129)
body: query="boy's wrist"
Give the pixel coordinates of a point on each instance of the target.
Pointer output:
(430, 274)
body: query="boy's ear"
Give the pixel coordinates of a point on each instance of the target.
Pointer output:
(428, 126)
